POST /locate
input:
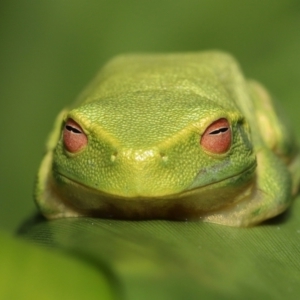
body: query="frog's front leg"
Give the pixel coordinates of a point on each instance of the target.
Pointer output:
(271, 195)
(276, 132)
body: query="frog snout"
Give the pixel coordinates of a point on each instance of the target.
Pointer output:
(141, 161)
(143, 156)
(143, 170)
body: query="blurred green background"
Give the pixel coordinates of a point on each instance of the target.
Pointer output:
(50, 49)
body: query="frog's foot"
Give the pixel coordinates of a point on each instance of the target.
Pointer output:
(271, 195)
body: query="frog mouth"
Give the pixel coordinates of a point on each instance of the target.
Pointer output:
(89, 201)
(189, 190)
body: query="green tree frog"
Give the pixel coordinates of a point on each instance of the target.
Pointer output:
(170, 136)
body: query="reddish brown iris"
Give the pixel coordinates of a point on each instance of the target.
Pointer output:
(74, 137)
(217, 137)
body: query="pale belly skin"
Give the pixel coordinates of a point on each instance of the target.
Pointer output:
(170, 136)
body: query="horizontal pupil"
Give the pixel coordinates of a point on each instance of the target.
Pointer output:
(220, 130)
(73, 129)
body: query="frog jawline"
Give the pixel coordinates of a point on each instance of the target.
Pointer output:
(182, 194)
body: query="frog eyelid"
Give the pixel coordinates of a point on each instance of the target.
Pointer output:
(74, 137)
(217, 137)
(220, 130)
(72, 129)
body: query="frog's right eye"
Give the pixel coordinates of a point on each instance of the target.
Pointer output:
(74, 137)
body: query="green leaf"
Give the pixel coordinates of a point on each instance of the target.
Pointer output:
(28, 272)
(185, 260)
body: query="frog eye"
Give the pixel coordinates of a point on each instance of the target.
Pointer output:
(73, 136)
(217, 137)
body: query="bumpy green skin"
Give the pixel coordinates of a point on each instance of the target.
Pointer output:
(144, 116)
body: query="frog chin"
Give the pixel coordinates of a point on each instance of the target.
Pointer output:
(88, 201)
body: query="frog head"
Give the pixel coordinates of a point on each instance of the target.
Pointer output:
(153, 146)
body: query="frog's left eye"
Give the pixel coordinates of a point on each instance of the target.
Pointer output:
(217, 137)
(73, 136)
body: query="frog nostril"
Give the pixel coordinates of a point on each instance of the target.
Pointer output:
(163, 156)
(114, 156)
